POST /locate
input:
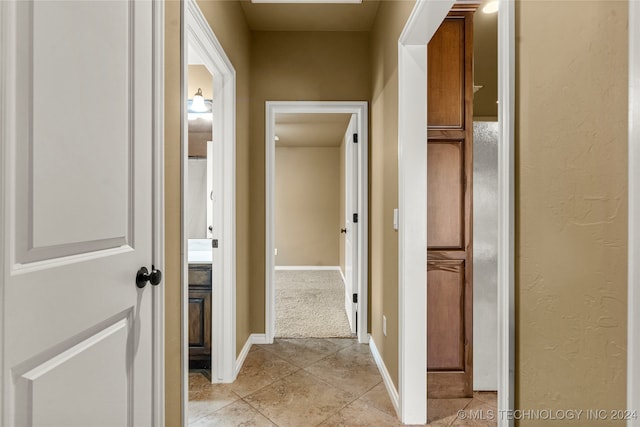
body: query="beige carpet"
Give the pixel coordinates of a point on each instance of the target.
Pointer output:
(310, 304)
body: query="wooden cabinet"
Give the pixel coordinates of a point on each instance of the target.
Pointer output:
(449, 207)
(200, 316)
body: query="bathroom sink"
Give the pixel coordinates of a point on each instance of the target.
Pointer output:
(200, 251)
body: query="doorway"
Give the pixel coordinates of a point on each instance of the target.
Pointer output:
(356, 200)
(201, 48)
(313, 275)
(422, 24)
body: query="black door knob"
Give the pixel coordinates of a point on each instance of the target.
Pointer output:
(143, 276)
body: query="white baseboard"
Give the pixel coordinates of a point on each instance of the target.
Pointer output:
(259, 339)
(253, 339)
(388, 383)
(242, 356)
(344, 279)
(307, 267)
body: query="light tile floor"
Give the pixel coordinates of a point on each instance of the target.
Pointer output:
(315, 382)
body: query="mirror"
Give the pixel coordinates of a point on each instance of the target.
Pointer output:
(200, 132)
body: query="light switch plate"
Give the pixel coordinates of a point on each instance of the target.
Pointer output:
(395, 219)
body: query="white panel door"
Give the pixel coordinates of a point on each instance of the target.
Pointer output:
(351, 237)
(77, 220)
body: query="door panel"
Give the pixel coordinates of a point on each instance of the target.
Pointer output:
(43, 399)
(449, 209)
(445, 319)
(63, 106)
(199, 321)
(446, 84)
(79, 212)
(445, 195)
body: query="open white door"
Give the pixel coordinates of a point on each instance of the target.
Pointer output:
(351, 236)
(77, 225)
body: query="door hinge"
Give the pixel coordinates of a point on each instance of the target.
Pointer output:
(355, 138)
(355, 298)
(214, 243)
(355, 218)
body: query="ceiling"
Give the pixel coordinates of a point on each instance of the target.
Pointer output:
(311, 130)
(360, 17)
(310, 17)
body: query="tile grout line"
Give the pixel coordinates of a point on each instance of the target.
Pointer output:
(260, 412)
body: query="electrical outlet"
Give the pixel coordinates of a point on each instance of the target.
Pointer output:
(384, 325)
(275, 251)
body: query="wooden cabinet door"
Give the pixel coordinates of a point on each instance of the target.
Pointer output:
(200, 315)
(199, 322)
(449, 209)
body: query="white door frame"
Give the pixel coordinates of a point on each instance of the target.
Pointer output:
(360, 109)
(158, 212)
(633, 322)
(158, 228)
(198, 37)
(423, 22)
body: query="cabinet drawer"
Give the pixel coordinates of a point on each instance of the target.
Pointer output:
(200, 275)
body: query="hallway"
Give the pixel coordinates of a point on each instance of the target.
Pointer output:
(309, 382)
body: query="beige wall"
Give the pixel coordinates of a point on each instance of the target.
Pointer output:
(199, 77)
(307, 202)
(295, 66)
(571, 183)
(384, 178)
(571, 205)
(227, 21)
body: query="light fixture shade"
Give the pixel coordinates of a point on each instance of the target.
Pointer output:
(491, 7)
(198, 105)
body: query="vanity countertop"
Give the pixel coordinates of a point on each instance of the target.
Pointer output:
(199, 251)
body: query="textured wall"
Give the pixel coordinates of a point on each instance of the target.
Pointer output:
(485, 255)
(571, 205)
(307, 202)
(303, 66)
(384, 178)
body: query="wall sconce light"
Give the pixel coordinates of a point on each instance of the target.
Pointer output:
(491, 7)
(198, 105)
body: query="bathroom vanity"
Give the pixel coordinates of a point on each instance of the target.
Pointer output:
(200, 285)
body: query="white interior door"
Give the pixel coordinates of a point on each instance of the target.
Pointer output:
(77, 171)
(351, 237)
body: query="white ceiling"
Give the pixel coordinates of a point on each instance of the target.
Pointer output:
(311, 130)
